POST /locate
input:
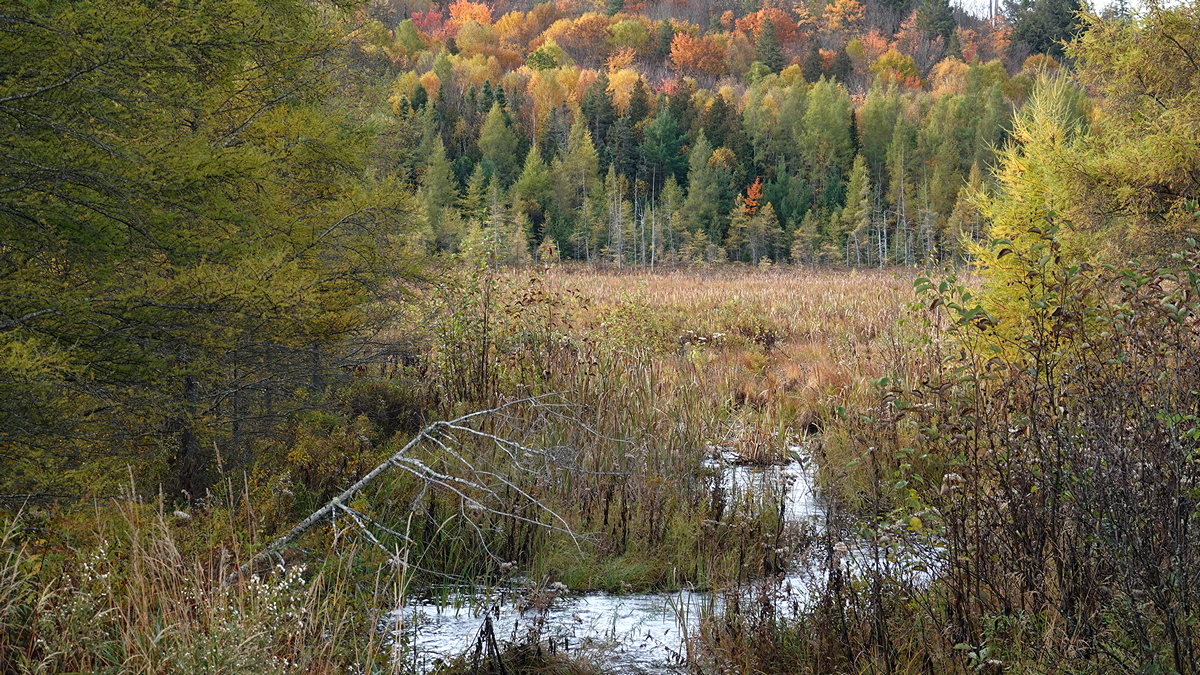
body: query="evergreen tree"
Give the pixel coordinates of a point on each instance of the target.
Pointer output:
(439, 191)
(670, 203)
(735, 236)
(474, 201)
(702, 207)
(903, 169)
(1045, 25)
(532, 192)
(842, 67)
(806, 241)
(814, 66)
(663, 38)
(639, 105)
(856, 216)
(935, 18)
(598, 108)
(768, 50)
(618, 234)
(622, 150)
(576, 177)
(498, 147)
(878, 117)
(189, 239)
(662, 150)
(827, 149)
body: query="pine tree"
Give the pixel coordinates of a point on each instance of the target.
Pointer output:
(768, 50)
(192, 230)
(856, 216)
(1045, 25)
(531, 193)
(813, 67)
(576, 177)
(902, 162)
(806, 241)
(701, 208)
(598, 109)
(661, 150)
(935, 18)
(439, 191)
(474, 200)
(498, 147)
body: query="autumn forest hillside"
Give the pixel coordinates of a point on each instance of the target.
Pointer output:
(675, 132)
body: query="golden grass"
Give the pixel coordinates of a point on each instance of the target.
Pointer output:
(676, 365)
(783, 345)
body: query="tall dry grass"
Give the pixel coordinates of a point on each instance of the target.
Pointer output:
(660, 371)
(137, 597)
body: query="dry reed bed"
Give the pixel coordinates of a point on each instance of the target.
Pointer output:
(789, 336)
(670, 365)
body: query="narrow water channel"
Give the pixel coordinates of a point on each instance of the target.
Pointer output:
(630, 633)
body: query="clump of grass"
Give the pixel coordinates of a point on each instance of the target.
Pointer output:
(133, 601)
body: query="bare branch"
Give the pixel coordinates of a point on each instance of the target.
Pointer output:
(426, 473)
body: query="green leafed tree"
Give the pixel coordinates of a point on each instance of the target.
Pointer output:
(498, 147)
(187, 237)
(701, 208)
(827, 149)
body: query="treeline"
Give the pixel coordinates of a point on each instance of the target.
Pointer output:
(784, 170)
(832, 135)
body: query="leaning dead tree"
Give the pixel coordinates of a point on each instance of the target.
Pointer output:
(475, 475)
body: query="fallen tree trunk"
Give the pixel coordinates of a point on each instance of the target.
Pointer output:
(428, 433)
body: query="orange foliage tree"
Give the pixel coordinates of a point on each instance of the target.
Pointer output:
(585, 38)
(430, 22)
(785, 27)
(464, 11)
(844, 16)
(697, 55)
(753, 197)
(875, 44)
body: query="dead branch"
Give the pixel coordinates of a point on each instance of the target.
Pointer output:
(402, 461)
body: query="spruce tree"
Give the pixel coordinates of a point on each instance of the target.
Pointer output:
(768, 50)
(498, 146)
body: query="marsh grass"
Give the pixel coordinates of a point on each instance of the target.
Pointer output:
(660, 372)
(144, 596)
(1042, 465)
